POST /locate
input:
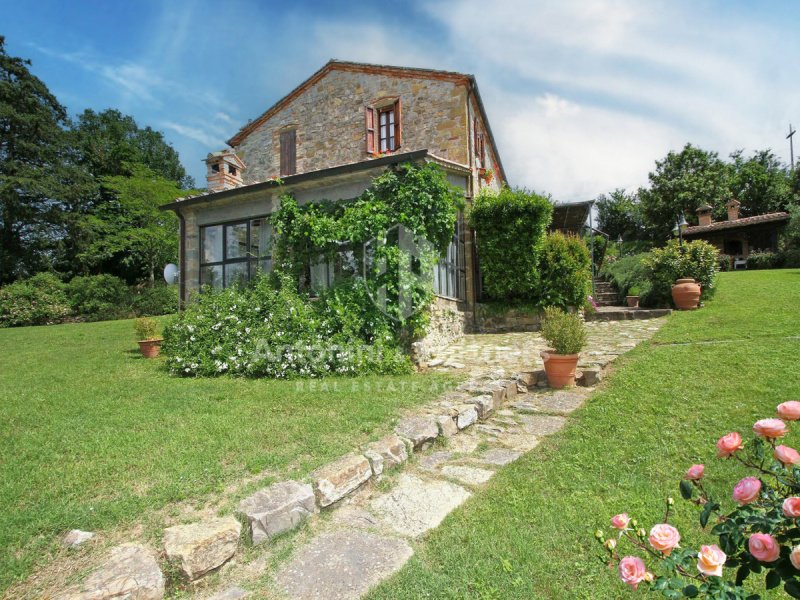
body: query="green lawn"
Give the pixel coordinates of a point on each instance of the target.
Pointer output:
(530, 534)
(93, 436)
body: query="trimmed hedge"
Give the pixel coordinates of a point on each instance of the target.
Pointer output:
(510, 227)
(565, 269)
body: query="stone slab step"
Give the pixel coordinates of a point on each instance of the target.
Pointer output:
(623, 313)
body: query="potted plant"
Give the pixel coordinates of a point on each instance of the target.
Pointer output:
(147, 336)
(686, 294)
(566, 334)
(633, 297)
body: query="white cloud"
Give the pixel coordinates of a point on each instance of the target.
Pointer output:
(612, 85)
(209, 140)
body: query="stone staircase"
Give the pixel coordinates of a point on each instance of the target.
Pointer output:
(605, 294)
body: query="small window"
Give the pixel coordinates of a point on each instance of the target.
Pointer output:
(383, 128)
(232, 170)
(288, 152)
(480, 146)
(215, 168)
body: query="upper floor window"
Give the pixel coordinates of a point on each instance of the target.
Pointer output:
(384, 126)
(288, 152)
(480, 146)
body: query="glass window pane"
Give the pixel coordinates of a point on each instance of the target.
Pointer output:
(211, 276)
(320, 276)
(236, 274)
(260, 238)
(211, 243)
(235, 241)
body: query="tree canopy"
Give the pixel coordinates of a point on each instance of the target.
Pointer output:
(80, 197)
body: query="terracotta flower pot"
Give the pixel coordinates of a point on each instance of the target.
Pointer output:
(633, 301)
(150, 348)
(560, 368)
(686, 294)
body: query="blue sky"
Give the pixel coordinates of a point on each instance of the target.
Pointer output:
(583, 95)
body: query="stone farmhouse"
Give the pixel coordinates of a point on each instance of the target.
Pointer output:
(328, 139)
(739, 236)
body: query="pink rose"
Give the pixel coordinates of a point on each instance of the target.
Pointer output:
(664, 538)
(770, 428)
(632, 571)
(791, 507)
(710, 560)
(695, 472)
(787, 455)
(620, 521)
(795, 557)
(764, 547)
(728, 444)
(789, 411)
(746, 490)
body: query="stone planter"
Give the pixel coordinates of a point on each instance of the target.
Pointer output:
(150, 348)
(560, 368)
(686, 294)
(633, 301)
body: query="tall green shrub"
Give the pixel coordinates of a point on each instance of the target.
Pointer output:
(98, 296)
(510, 226)
(565, 271)
(697, 259)
(627, 273)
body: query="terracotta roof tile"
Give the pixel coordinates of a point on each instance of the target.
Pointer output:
(743, 222)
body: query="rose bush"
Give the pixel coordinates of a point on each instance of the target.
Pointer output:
(758, 536)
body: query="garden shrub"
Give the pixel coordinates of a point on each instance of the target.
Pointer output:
(157, 300)
(510, 228)
(725, 262)
(763, 260)
(696, 259)
(602, 247)
(565, 271)
(627, 273)
(565, 332)
(38, 300)
(270, 329)
(789, 259)
(99, 297)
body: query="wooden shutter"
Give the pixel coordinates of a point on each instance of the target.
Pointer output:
(288, 152)
(370, 119)
(398, 125)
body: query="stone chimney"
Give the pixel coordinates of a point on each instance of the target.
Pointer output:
(224, 171)
(704, 214)
(733, 209)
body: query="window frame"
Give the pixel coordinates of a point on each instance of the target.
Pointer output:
(450, 272)
(249, 260)
(287, 151)
(373, 114)
(391, 128)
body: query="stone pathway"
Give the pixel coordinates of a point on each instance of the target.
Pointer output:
(480, 354)
(365, 512)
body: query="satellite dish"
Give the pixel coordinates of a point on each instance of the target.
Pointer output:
(171, 273)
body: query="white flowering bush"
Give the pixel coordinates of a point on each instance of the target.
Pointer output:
(759, 537)
(269, 329)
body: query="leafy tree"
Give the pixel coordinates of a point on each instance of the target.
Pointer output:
(760, 183)
(128, 234)
(682, 182)
(620, 214)
(31, 174)
(107, 141)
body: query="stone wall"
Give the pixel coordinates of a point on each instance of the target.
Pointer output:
(330, 122)
(490, 319)
(447, 324)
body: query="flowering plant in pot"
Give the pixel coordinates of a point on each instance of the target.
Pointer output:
(147, 336)
(566, 334)
(759, 537)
